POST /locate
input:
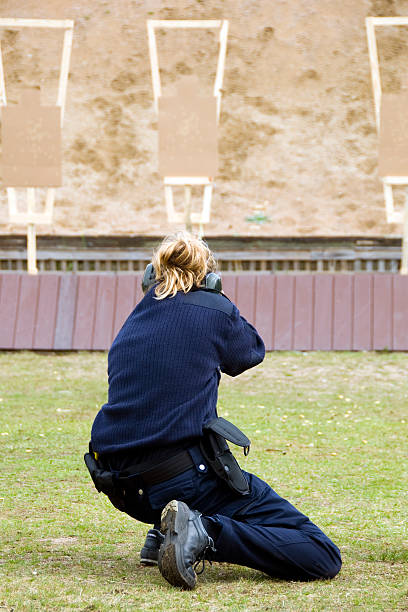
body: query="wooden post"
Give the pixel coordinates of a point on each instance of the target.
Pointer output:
(375, 69)
(3, 99)
(187, 207)
(64, 71)
(221, 65)
(404, 258)
(31, 235)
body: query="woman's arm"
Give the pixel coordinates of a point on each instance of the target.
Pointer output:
(244, 347)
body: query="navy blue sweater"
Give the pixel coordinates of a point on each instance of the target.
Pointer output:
(164, 370)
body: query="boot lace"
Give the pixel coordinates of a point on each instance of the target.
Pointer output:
(202, 558)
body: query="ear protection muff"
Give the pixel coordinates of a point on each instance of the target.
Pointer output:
(211, 281)
(149, 278)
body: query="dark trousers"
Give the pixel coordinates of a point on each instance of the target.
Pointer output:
(260, 530)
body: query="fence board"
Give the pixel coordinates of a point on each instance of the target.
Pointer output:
(382, 324)
(246, 296)
(400, 313)
(323, 313)
(9, 299)
(125, 300)
(84, 322)
(139, 290)
(65, 312)
(47, 311)
(229, 284)
(343, 312)
(265, 308)
(363, 313)
(303, 313)
(283, 337)
(104, 312)
(26, 313)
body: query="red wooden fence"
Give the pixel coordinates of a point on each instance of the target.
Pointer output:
(291, 312)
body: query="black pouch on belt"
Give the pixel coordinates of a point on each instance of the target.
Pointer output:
(215, 449)
(102, 479)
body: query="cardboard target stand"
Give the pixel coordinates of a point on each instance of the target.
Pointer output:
(187, 127)
(31, 140)
(391, 113)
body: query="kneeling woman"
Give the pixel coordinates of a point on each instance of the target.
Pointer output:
(164, 369)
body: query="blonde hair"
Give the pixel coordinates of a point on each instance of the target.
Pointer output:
(181, 263)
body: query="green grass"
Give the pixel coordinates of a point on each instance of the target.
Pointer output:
(328, 430)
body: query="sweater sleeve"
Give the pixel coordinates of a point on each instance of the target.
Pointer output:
(244, 347)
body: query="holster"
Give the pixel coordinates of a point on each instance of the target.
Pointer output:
(216, 451)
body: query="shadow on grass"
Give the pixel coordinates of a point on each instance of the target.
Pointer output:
(109, 568)
(217, 573)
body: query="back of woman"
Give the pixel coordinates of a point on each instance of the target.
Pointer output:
(164, 365)
(149, 443)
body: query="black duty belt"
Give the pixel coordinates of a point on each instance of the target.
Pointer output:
(161, 471)
(213, 446)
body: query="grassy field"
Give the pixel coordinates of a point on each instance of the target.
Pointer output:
(329, 432)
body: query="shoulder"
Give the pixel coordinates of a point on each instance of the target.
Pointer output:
(208, 299)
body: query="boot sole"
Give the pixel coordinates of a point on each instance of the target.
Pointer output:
(174, 524)
(148, 562)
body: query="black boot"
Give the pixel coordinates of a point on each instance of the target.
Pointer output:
(149, 554)
(185, 543)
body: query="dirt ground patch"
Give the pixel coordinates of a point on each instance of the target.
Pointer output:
(297, 131)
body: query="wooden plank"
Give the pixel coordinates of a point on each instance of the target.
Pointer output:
(400, 313)
(154, 63)
(187, 180)
(26, 312)
(206, 210)
(36, 23)
(219, 77)
(395, 180)
(375, 70)
(323, 312)
(303, 313)
(65, 312)
(382, 323)
(82, 337)
(404, 257)
(185, 23)
(229, 284)
(343, 312)
(9, 299)
(265, 306)
(125, 300)
(46, 312)
(64, 72)
(246, 296)
(363, 313)
(29, 217)
(390, 21)
(139, 292)
(284, 311)
(104, 312)
(3, 97)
